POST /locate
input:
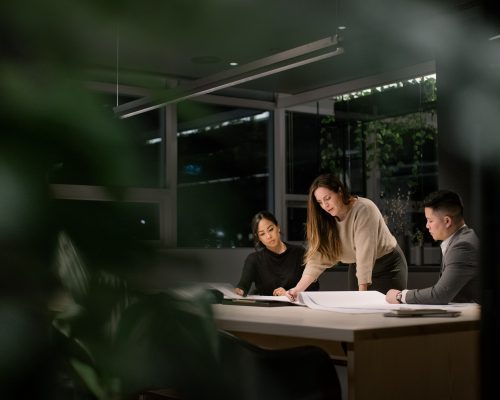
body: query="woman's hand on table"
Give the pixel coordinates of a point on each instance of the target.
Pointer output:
(292, 294)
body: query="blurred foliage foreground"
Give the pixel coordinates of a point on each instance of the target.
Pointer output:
(104, 340)
(96, 338)
(116, 343)
(72, 324)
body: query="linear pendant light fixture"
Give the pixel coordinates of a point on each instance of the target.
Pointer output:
(296, 57)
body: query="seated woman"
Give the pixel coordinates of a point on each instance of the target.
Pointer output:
(275, 266)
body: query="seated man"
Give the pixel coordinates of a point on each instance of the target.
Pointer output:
(459, 278)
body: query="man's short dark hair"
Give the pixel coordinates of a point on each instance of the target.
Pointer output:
(445, 201)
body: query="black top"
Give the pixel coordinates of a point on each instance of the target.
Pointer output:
(270, 271)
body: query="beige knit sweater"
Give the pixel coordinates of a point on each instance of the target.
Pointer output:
(364, 238)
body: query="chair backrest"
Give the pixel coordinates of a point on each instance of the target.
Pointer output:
(305, 372)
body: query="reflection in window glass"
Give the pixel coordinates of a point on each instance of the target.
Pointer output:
(223, 173)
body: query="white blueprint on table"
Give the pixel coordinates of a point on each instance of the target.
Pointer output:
(363, 302)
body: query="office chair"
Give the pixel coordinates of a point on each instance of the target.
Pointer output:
(255, 373)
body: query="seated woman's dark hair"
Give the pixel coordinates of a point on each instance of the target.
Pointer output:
(255, 225)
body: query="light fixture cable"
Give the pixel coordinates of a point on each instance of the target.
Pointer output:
(117, 63)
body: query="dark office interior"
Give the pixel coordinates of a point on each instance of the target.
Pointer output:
(139, 138)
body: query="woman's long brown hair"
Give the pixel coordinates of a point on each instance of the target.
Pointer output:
(321, 228)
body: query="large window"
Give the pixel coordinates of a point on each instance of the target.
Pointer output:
(110, 179)
(382, 141)
(224, 173)
(205, 169)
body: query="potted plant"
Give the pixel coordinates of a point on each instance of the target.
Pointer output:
(416, 247)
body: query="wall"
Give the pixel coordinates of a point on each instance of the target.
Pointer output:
(174, 266)
(225, 265)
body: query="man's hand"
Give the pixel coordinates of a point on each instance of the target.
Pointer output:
(390, 296)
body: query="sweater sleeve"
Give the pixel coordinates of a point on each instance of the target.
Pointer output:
(248, 273)
(317, 265)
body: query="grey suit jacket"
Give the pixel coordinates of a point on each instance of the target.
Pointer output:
(459, 278)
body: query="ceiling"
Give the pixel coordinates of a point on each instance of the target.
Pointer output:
(184, 40)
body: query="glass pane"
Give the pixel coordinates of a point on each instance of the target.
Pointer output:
(223, 173)
(397, 126)
(302, 150)
(219, 214)
(342, 151)
(144, 133)
(296, 224)
(130, 220)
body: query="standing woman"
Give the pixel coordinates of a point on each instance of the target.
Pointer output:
(349, 229)
(275, 266)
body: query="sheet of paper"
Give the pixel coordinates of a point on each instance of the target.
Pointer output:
(228, 291)
(225, 288)
(350, 299)
(352, 302)
(355, 302)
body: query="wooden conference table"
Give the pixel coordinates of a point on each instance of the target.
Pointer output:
(422, 358)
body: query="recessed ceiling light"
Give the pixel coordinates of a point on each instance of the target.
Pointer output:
(233, 64)
(342, 27)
